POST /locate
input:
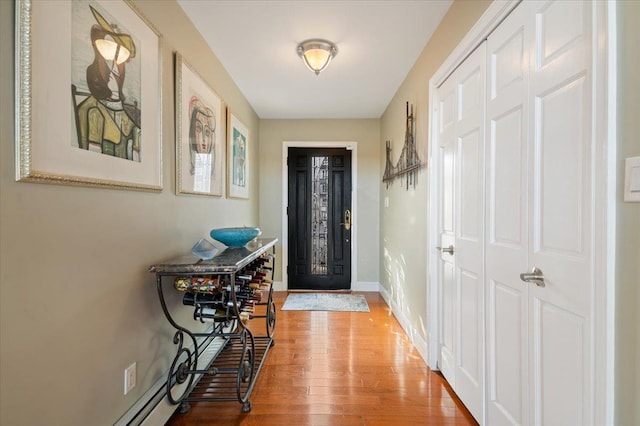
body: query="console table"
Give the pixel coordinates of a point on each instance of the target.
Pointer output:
(231, 291)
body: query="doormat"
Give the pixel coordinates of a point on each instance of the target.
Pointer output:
(326, 302)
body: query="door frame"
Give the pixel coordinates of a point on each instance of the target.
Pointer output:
(605, 171)
(349, 146)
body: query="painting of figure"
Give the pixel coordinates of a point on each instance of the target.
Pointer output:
(202, 137)
(105, 85)
(200, 151)
(239, 157)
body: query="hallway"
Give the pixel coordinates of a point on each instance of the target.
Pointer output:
(339, 368)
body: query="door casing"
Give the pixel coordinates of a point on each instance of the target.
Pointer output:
(348, 145)
(605, 195)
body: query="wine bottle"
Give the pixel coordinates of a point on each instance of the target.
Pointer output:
(191, 299)
(210, 314)
(197, 284)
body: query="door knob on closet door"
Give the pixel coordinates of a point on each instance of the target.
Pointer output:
(535, 276)
(446, 249)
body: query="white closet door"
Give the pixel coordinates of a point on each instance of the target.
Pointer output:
(507, 221)
(561, 205)
(462, 154)
(540, 192)
(540, 201)
(447, 105)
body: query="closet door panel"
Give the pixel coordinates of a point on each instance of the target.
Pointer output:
(561, 206)
(506, 258)
(507, 61)
(449, 321)
(469, 264)
(470, 330)
(506, 329)
(558, 380)
(448, 116)
(461, 168)
(469, 242)
(470, 154)
(560, 31)
(506, 245)
(507, 229)
(559, 161)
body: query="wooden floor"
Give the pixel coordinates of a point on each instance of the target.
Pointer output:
(339, 368)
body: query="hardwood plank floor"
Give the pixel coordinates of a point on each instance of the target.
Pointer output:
(339, 368)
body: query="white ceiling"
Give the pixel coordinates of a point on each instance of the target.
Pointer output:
(378, 43)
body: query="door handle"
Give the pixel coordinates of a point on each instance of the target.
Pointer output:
(446, 249)
(535, 276)
(347, 220)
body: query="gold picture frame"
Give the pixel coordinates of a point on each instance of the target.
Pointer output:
(81, 119)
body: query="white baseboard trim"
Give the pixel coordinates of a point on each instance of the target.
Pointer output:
(154, 407)
(279, 286)
(373, 286)
(421, 344)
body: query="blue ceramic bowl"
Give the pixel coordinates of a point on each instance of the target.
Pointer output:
(235, 237)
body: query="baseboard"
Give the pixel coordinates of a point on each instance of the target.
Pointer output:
(373, 286)
(421, 344)
(154, 407)
(279, 286)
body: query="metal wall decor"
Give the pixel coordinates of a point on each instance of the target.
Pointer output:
(409, 162)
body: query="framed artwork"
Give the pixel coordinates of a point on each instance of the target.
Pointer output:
(199, 134)
(88, 95)
(237, 157)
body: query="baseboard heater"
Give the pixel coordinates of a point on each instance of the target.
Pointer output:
(154, 408)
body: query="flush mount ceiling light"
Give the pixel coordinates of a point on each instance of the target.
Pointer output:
(317, 54)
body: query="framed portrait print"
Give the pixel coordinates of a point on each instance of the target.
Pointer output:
(199, 134)
(88, 95)
(237, 157)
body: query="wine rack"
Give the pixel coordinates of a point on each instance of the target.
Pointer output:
(234, 293)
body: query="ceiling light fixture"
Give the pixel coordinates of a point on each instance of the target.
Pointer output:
(317, 53)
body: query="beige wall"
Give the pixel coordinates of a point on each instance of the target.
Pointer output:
(628, 221)
(366, 132)
(404, 224)
(77, 303)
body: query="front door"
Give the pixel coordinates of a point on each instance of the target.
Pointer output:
(319, 219)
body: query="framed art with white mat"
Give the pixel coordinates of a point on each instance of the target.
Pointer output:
(237, 157)
(199, 134)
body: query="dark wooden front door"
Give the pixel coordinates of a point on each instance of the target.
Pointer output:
(319, 216)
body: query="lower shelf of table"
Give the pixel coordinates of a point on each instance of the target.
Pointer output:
(225, 383)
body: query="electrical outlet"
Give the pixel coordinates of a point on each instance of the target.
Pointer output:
(129, 378)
